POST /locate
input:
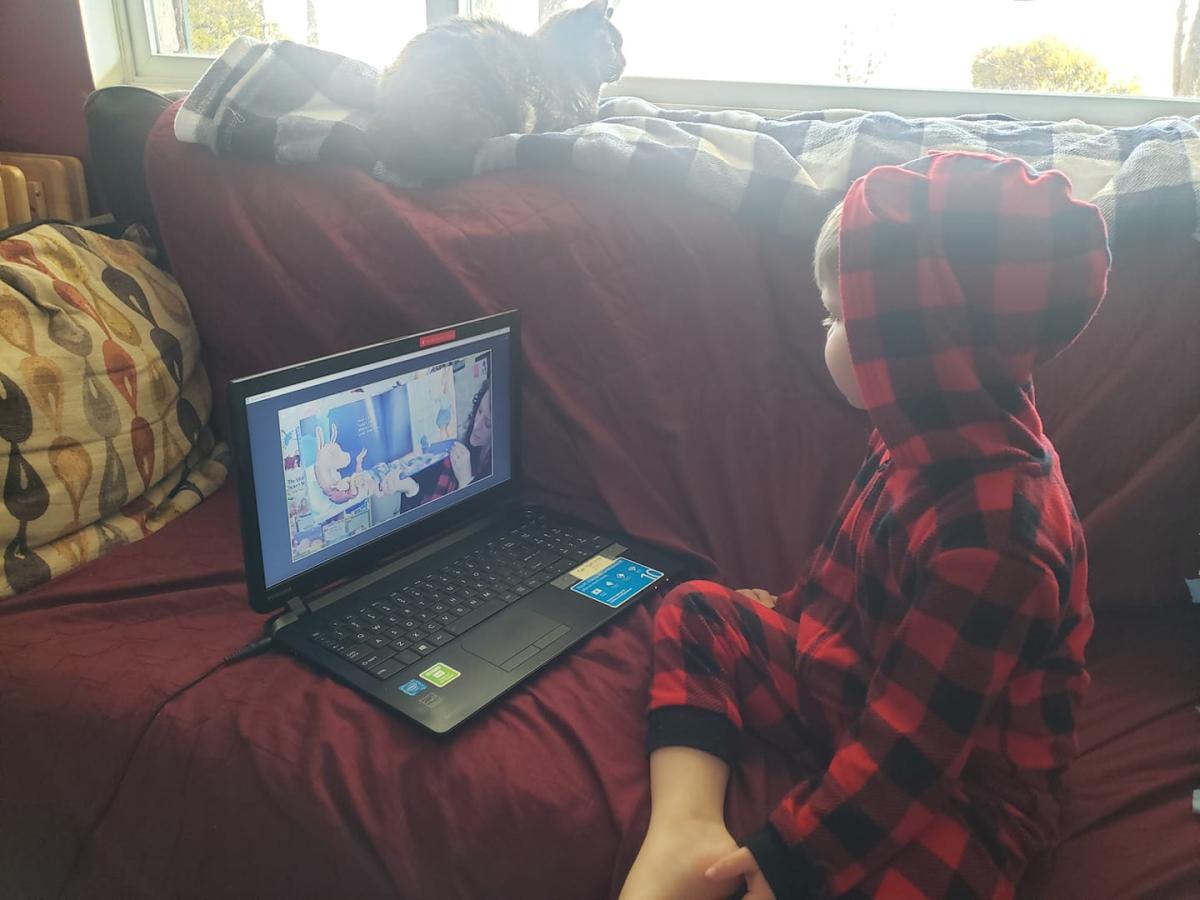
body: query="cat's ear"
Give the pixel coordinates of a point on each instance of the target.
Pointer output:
(599, 9)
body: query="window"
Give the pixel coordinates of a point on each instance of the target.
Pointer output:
(171, 42)
(772, 54)
(932, 58)
(1072, 46)
(371, 30)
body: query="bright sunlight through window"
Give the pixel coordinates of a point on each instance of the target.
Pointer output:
(1042, 46)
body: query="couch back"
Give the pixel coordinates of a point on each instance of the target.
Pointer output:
(675, 380)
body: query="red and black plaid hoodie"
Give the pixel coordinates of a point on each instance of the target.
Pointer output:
(944, 619)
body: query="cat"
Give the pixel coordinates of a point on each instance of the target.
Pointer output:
(466, 80)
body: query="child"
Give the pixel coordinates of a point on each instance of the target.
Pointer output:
(932, 661)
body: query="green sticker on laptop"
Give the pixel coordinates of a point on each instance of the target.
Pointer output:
(440, 674)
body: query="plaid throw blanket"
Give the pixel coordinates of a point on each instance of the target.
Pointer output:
(283, 102)
(289, 103)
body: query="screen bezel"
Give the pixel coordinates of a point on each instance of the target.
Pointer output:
(369, 555)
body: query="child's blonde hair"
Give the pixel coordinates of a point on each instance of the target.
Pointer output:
(825, 257)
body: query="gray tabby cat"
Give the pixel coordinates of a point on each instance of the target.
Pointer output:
(459, 83)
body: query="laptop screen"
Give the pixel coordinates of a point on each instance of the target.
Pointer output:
(343, 460)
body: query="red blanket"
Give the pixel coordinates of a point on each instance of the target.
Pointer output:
(269, 780)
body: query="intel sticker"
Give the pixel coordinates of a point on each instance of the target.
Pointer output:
(414, 687)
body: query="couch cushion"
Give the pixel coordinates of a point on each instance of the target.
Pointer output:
(84, 662)
(1129, 829)
(106, 402)
(674, 358)
(1122, 406)
(268, 779)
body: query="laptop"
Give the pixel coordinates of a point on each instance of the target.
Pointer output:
(382, 521)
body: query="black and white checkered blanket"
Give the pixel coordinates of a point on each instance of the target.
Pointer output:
(292, 104)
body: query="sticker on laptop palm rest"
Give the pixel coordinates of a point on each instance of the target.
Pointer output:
(618, 582)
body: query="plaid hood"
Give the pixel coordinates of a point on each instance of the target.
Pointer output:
(959, 272)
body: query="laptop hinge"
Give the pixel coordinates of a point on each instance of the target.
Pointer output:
(296, 608)
(386, 569)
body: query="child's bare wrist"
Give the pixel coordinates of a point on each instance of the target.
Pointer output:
(684, 814)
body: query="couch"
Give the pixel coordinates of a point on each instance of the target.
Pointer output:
(675, 386)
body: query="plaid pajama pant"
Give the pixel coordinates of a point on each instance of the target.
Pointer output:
(724, 663)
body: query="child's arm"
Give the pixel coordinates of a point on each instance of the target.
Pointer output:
(976, 613)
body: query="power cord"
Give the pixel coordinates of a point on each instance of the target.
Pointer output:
(252, 649)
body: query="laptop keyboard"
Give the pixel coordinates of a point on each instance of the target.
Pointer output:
(417, 614)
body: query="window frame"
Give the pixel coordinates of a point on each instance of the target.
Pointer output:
(773, 99)
(140, 65)
(175, 71)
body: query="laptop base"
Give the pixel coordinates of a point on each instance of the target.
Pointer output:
(466, 660)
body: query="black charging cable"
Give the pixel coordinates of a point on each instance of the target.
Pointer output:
(252, 649)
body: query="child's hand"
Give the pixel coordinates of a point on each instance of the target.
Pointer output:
(741, 864)
(766, 598)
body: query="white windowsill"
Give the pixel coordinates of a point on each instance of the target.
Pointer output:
(785, 99)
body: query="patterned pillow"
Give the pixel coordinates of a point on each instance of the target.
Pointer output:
(104, 404)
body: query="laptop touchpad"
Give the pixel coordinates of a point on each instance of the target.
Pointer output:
(508, 634)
